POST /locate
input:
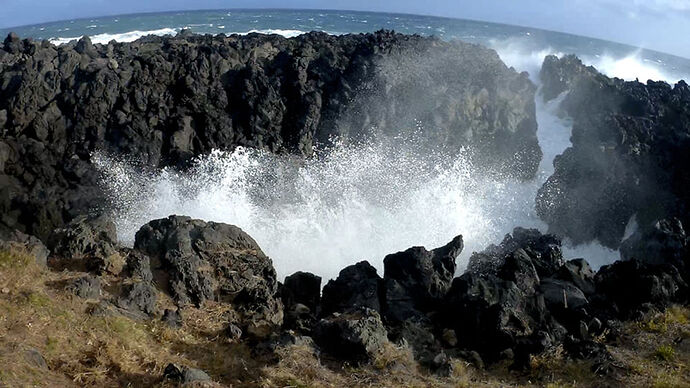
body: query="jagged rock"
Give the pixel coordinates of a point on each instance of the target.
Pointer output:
(233, 332)
(664, 242)
(579, 273)
(489, 313)
(16, 240)
(185, 375)
(139, 297)
(357, 335)
(90, 240)
(172, 318)
(628, 285)
(87, 287)
(544, 251)
(417, 279)
(357, 285)
(138, 266)
(426, 348)
(303, 288)
(562, 294)
(163, 100)
(559, 74)
(629, 149)
(504, 300)
(201, 261)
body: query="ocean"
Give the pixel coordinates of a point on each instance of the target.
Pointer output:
(355, 202)
(521, 47)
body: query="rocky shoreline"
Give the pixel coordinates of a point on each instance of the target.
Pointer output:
(165, 100)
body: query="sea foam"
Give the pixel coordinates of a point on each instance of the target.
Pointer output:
(350, 202)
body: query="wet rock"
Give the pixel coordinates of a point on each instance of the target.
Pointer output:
(579, 273)
(504, 300)
(357, 285)
(544, 250)
(629, 141)
(138, 266)
(139, 298)
(663, 242)
(185, 375)
(303, 288)
(357, 335)
(16, 240)
(87, 287)
(202, 261)
(658, 285)
(172, 318)
(90, 240)
(561, 294)
(417, 279)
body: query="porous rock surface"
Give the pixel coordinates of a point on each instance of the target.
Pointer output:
(198, 261)
(628, 157)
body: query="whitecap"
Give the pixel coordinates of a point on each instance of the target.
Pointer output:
(123, 37)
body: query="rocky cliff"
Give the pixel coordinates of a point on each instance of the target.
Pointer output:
(629, 155)
(163, 100)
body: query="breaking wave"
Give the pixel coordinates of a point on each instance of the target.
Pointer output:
(351, 202)
(134, 35)
(123, 37)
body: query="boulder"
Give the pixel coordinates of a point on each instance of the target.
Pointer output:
(579, 273)
(357, 335)
(427, 349)
(416, 280)
(87, 287)
(560, 294)
(628, 285)
(544, 250)
(138, 297)
(662, 242)
(303, 288)
(185, 375)
(200, 261)
(357, 285)
(89, 240)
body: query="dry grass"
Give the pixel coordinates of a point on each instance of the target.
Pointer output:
(84, 350)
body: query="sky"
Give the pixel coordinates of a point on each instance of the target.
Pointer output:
(662, 25)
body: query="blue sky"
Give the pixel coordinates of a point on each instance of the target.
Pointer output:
(657, 24)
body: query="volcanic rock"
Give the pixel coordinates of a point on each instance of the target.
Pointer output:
(416, 280)
(199, 261)
(357, 285)
(663, 242)
(164, 100)
(31, 245)
(88, 287)
(303, 288)
(357, 335)
(90, 240)
(138, 298)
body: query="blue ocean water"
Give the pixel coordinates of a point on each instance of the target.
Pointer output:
(521, 47)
